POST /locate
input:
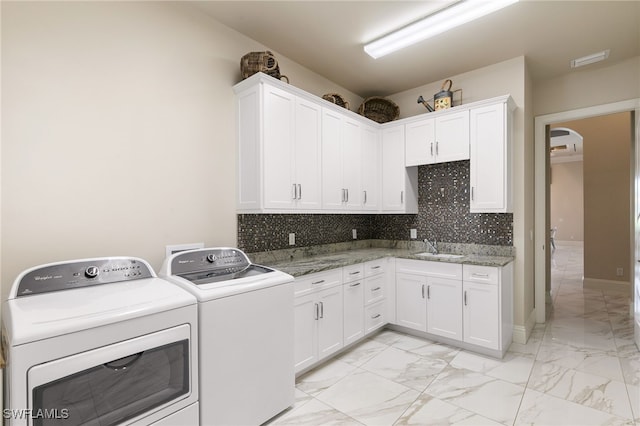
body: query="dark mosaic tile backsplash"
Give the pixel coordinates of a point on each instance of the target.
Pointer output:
(443, 215)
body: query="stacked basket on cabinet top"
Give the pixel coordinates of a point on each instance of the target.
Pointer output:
(376, 108)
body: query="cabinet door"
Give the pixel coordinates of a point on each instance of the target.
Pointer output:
(333, 195)
(278, 148)
(306, 343)
(399, 184)
(452, 137)
(420, 142)
(411, 306)
(351, 163)
(308, 144)
(353, 312)
(330, 322)
(370, 149)
(489, 160)
(481, 314)
(444, 307)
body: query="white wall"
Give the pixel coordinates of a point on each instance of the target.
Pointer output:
(118, 133)
(567, 201)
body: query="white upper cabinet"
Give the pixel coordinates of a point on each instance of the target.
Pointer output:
(299, 153)
(490, 165)
(341, 162)
(399, 184)
(438, 139)
(279, 142)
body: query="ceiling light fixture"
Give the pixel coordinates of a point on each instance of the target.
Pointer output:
(590, 59)
(439, 22)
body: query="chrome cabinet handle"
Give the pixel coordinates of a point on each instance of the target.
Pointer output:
(375, 316)
(317, 282)
(354, 285)
(375, 267)
(294, 192)
(316, 312)
(465, 298)
(347, 191)
(432, 149)
(428, 292)
(478, 275)
(321, 309)
(375, 289)
(299, 191)
(354, 273)
(472, 193)
(365, 197)
(401, 197)
(423, 291)
(437, 153)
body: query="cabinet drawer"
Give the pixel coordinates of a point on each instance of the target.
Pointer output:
(374, 289)
(374, 317)
(430, 269)
(375, 267)
(352, 272)
(320, 280)
(481, 274)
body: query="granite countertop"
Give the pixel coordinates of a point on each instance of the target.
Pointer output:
(308, 260)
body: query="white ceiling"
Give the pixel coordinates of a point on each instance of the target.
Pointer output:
(328, 37)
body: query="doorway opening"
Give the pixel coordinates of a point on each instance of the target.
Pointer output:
(543, 125)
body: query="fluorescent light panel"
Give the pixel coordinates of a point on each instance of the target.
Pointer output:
(444, 20)
(590, 59)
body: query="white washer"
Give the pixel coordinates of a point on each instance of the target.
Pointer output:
(246, 334)
(100, 342)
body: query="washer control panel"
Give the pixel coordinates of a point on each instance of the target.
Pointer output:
(208, 259)
(82, 273)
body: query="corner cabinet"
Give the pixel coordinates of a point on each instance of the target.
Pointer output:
(399, 184)
(490, 129)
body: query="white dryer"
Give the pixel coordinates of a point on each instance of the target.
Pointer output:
(100, 342)
(246, 333)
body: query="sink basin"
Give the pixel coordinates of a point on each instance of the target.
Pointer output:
(440, 255)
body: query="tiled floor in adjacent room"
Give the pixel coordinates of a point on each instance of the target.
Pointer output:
(580, 368)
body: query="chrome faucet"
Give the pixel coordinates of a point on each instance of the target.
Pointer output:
(433, 245)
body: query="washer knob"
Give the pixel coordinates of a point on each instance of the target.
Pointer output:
(211, 257)
(91, 272)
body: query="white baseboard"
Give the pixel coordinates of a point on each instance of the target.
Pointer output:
(607, 285)
(521, 333)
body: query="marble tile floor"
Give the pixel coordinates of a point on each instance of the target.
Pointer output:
(579, 368)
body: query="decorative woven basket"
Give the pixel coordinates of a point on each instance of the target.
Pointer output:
(264, 62)
(336, 99)
(379, 109)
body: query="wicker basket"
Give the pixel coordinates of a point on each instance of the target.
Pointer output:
(264, 62)
(379, 109)
(337, 99)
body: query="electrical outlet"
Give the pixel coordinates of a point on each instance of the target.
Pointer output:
(413, 233)
(355, 234)
(292, 239)
(619, 272)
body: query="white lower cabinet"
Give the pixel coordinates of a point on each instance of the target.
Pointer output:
(488, 307)
(465, 303)
(353, 293)
(318, 317)
(375, 294)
